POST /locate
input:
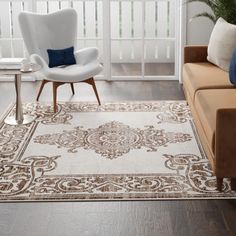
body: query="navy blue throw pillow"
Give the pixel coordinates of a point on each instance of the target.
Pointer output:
(232, 68)
(59, 57)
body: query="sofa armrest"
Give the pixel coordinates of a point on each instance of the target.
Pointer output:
(225, 143)
(195, 54)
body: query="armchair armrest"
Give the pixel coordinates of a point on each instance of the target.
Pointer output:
(225, 143)
(86, 55)
(195, 54)
(39, 60)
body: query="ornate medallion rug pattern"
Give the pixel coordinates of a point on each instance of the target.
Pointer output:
(118, 151)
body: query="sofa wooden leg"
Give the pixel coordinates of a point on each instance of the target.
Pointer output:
(233, 184)
(219, 183)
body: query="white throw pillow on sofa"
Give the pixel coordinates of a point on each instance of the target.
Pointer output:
(222, 43)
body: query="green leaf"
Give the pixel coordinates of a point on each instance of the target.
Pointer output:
(206, 14)
(220, 8)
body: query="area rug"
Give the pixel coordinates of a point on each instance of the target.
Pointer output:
(117, 151)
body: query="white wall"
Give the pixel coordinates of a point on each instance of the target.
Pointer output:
(199, 29)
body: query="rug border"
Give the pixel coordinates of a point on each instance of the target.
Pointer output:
(49, 200)
(12, 104)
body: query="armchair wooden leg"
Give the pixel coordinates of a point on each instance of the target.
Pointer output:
(219, 183)
(72, 88)
(41, 88)
(55, 85)
(92, 82)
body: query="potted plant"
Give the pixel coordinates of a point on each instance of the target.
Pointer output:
(220, 8)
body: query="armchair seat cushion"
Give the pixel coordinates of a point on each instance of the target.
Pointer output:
(73, 73)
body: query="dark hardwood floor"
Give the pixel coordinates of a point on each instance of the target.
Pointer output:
(127, 218)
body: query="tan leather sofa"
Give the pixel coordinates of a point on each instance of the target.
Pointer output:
(212, 100)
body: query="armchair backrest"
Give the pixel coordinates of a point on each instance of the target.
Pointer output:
(51, 31)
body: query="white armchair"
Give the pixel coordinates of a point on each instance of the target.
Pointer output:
(58, 31)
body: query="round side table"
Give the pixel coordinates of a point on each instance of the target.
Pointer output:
(19, 117)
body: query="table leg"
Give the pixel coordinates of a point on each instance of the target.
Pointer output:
(19, 111)
(19, 118)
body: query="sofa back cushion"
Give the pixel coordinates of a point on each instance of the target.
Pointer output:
(198, 76)
(222, 43)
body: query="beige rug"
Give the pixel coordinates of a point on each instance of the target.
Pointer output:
(119, 151)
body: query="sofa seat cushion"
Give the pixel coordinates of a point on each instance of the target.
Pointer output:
(204, 75)
(207, 102)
